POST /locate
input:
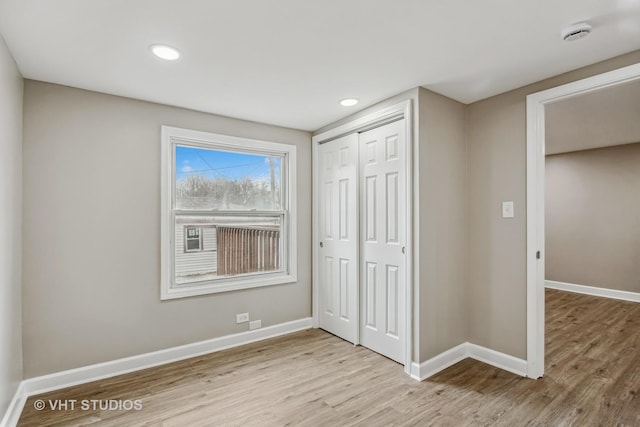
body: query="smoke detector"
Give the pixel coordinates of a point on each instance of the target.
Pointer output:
(575, 32)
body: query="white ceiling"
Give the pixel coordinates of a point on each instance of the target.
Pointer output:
(288, 62)
(607, 117)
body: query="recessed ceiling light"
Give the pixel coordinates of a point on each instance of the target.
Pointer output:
(165, 52)
(348, 102)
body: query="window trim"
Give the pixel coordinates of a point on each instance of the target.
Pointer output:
(172, 136)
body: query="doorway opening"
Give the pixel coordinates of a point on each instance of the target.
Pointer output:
(537, 105)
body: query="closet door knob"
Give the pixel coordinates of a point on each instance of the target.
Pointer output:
(321, 244)
(403, 249)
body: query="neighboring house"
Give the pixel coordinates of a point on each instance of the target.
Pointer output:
(196, 249)
(248, 246)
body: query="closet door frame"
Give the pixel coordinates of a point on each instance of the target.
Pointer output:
(402, 110)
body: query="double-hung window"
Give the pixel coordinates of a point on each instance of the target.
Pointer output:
(228, 219)
(192, 239)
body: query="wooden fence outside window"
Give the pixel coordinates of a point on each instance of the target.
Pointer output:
(247, 249)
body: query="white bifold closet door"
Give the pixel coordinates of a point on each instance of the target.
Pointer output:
(361, 219)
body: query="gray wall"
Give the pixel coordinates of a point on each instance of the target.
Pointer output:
(10, 227)
(442, 165)
(497, 247)
(602, 118)
(92, 232)
(593, 217)
(440, 219)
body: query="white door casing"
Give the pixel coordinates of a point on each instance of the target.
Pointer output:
(338, 234)
(383, 206)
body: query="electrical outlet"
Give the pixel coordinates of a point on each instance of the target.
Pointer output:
(255, 324)
(242, 317)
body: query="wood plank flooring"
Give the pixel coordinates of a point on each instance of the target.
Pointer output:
(312, 378)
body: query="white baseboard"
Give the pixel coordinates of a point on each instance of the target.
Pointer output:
(422, 371)
(45, 383)
(442, 361)
(14, 410)
(592, 290)
(499, 360)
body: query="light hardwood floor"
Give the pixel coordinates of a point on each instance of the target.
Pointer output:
(312, 378)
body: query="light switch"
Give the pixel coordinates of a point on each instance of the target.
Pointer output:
(507, 209)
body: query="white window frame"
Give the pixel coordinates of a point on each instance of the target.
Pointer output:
(172, 136)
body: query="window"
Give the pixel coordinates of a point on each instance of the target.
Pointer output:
(192, 242)
(228, 222)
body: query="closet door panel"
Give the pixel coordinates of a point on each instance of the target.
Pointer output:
(382, 260)
(338, 251)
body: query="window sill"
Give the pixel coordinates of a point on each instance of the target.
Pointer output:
(185, 291)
